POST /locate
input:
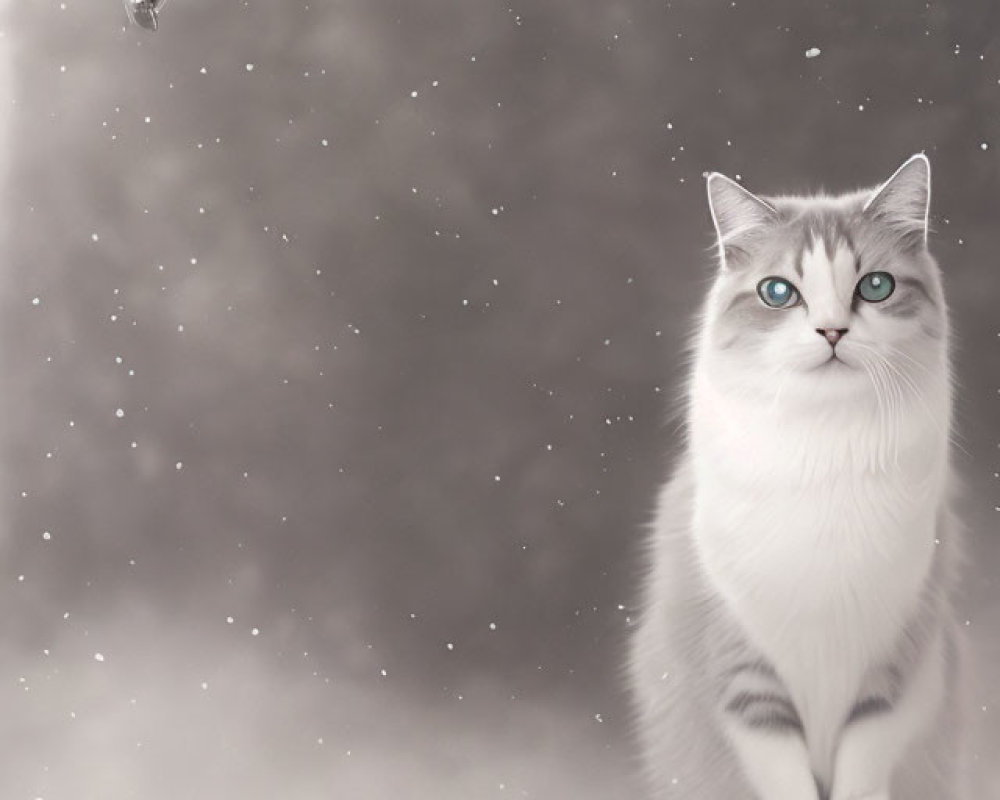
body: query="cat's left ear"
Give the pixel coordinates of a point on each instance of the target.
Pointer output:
(903, 202)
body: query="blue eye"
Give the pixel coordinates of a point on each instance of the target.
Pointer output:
(876, 286)
(777, 293)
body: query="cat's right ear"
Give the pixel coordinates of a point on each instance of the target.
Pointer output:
(735, 212)
(902, 203)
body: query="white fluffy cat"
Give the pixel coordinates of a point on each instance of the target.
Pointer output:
(797, 639)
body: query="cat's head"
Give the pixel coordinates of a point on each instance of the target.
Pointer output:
(825, 297)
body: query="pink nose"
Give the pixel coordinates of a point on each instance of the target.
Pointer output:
(832, 335)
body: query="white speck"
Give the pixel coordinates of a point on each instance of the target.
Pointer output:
(98, 656)
(984, 146)
(493, 626)
(450, 645)
(179, 465)
(94, 237)
(383, 673)
(861, 107)
(230, 620)
(324, 142)
(255, 631)
(203, 70)
(147, 120)
(414, 93)
(812, 52)
(496, 478)
(119, 412)
(249, 67)
(204, 686)
(36, 300)
(598, 718)
(46, 536)
(180, 328)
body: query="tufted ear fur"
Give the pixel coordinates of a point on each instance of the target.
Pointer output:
(736, 213)
(902, 203)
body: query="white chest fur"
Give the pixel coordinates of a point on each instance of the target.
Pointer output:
(819, 533)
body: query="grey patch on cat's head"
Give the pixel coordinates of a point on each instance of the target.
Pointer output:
(917, 285)
(910, 297)
(745, 311)
(894, 213)
(834, 231)
(829, 227)
(879, 229)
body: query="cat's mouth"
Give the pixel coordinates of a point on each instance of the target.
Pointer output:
(834, 362)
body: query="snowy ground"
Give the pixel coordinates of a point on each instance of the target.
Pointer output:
(163, 717)
(164, 714)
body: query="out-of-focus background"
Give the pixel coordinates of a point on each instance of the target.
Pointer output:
(337, 343)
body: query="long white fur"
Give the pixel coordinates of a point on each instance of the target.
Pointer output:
(813, 509)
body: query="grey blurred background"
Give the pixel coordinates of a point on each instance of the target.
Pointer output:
(338, 339)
